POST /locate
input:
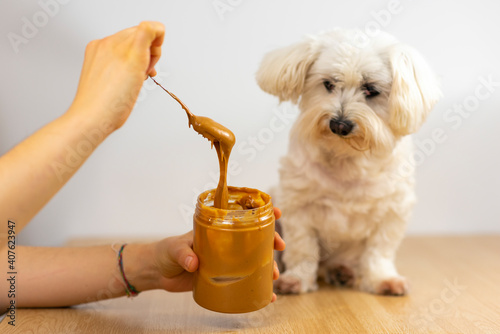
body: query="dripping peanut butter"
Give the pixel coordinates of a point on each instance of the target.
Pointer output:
(220, 137)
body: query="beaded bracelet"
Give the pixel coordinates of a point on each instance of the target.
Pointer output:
(129, 288)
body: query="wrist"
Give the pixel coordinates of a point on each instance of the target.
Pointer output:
(139, 267)
(92, 123)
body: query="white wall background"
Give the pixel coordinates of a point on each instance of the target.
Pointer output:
(139, 179)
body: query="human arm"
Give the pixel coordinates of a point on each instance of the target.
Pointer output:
(112, 75)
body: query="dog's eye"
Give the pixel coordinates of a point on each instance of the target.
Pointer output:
(370, 91)
(329, 86)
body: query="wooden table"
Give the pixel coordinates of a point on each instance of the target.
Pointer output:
(455, 288)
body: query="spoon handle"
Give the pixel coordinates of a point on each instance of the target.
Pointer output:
(189, 113)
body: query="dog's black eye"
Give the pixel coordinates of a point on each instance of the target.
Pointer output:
(370, 91)
(329, 86)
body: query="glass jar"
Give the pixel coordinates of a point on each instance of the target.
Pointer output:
(235, 251)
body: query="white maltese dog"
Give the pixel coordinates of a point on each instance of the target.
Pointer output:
(346, 185)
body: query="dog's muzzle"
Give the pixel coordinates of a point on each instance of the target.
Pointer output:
(341, 126)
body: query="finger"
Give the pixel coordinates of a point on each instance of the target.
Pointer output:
(184, 255)
(190, 263)
(279, 243)
(276, 271)
(151, 73)
(277, 213)
(149, 34)
(274, 298)
(155, 54)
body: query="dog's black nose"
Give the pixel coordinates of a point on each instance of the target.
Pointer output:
(340, 126)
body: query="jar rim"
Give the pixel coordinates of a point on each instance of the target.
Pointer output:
(227, 216)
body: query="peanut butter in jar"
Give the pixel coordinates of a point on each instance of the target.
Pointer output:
(235, 251)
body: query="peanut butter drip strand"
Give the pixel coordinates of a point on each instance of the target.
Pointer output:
(220, 137)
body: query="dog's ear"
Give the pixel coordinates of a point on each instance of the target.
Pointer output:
(414, 91)
(283, 71)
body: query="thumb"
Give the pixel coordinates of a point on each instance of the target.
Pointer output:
(189, 260)
(185, 255)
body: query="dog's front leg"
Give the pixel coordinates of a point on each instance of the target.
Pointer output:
(301, 256)
(377, 270)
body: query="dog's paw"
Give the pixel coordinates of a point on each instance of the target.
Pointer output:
(341, 275)
(394, 286)
(289, 282)
(286, 284)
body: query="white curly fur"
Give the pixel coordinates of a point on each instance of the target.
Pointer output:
(345, 199)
